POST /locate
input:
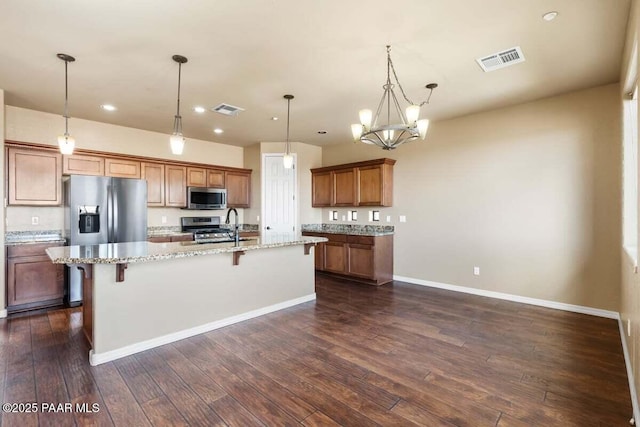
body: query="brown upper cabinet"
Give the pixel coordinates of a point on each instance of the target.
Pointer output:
(201, 177)
(34, 177)
(154, 174)
(367, 183)
(175, 186)
(238, 189)
(121, 168)
(322, 188)
(79, 164)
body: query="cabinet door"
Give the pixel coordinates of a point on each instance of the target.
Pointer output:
(319, 256)
(159, 239)
(121, 168)
(215, 178)
(360, 260)
(34, 177)
(175, 186)
(154, 174)
(345, 186)
(322, 189)
(196, 177)
(78, 164)
(238, 189)
(335, 257)
(33, 279)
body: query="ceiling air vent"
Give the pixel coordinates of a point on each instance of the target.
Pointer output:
(501, 59)
(227, 110)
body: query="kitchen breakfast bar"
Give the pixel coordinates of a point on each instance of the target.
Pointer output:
(141, 295)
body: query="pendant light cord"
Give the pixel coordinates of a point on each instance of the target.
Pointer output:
(66, 97)
(288, 114)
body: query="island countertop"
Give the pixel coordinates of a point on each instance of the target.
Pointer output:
(132, 252)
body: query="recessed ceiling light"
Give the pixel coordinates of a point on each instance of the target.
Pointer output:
(218, 130)
(108, 107)
(198, 109)
(274, 118)
(322, 132)
(550, 16)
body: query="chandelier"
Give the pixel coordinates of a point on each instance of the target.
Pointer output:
(381, 131)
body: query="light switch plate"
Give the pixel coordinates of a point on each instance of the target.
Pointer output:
(388, 218)
(35, 220)
(403, 218)
(163, 219)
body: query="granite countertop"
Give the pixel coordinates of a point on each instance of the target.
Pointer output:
(14, 238)
(117, 253)
(349, 229)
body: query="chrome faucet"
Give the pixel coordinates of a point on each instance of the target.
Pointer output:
(236, 235)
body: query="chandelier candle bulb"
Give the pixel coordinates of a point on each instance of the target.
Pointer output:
(356, 130)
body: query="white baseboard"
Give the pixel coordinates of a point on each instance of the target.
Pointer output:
(515, 298)
(3, 314)
(108, 356)
(627, 363)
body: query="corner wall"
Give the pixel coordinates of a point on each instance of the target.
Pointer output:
(530, 194)
(3, 302)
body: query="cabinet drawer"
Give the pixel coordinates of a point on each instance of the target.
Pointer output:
(29, 250)
(159, 239)
(361, 240)
(336, 237)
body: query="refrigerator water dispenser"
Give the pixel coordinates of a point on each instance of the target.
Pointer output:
(89, 219)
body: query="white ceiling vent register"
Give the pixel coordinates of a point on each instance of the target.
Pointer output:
(227, 110)
(501, 59)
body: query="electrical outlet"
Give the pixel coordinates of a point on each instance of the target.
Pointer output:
(403, 218)
(344, 218)
(35, 220)
(388, 218)
(628, 327)
(258, 218)
(476, 271)
(163, 219)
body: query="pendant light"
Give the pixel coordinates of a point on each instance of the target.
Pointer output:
(287, 159)
(177, 140)
(66, 142)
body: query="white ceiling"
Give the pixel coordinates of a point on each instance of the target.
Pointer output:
(330, 54)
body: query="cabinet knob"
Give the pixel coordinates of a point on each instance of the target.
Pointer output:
(268, 228)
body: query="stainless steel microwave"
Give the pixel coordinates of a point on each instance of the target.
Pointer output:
(206, 198)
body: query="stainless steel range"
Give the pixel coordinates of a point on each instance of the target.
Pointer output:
(206, 229)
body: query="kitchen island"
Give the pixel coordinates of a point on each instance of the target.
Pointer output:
(140, 295)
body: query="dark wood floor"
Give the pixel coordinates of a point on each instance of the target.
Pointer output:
(395, 355)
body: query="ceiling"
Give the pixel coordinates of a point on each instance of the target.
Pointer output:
(330, 54)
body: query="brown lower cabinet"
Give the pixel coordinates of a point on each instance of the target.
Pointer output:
(367, 259)
(167, 239)
(33, 281)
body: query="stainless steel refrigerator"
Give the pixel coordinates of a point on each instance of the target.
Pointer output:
(101, 209)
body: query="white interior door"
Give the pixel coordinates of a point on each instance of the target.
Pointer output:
(279, 196)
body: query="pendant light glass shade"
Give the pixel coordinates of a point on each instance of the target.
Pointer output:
(177, 140)
(287, 159)
(177, 144)
(423, 126)
(66, 142)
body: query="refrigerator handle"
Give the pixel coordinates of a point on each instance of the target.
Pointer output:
(110, 214)
(114, 220)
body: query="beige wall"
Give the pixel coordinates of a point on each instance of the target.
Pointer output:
(3, 303)
(43, 128)
(630, 292)
(307, 157)
(530, 194)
